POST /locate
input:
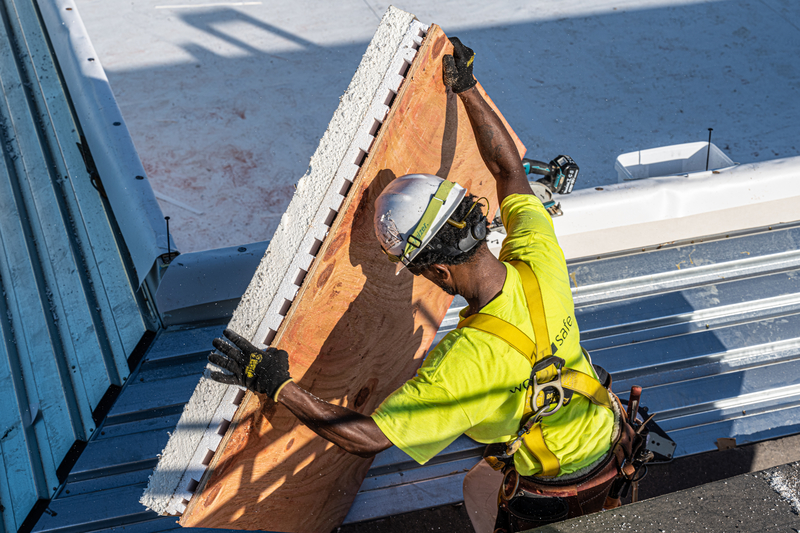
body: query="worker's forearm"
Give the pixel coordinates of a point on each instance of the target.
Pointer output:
(495, 144)
(355, 433)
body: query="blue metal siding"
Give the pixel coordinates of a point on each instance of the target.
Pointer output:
(114, 468)
(69, 311)
(103, 489)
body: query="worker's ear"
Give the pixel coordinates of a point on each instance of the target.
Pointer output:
(440, 272)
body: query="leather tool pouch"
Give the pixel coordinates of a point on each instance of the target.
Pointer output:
(529, 502)
(534, 503)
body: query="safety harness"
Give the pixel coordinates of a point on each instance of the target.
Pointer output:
(549, 379)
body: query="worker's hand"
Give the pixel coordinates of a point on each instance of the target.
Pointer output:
(263, 371)
(457, 68)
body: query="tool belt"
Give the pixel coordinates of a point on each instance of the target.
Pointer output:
(527, 502)
(535, 504)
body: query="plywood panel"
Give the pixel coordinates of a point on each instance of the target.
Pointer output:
(354, 334)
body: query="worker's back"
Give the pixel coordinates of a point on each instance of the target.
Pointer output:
(475, 383)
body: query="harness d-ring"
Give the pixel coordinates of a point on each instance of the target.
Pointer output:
(553, 386)
(548, 407)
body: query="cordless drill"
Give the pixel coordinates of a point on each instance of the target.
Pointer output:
(559, 176)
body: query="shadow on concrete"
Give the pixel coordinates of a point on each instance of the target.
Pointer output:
(233, 133)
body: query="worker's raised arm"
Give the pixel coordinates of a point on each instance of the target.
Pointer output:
(267, 372)
(495, 144)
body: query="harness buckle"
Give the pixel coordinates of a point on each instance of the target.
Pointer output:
(553, 399)
(552, 391)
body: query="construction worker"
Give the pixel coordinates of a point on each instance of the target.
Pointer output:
(556, 455)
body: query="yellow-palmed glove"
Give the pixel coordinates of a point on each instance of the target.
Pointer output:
(264, 371)
(457, 68)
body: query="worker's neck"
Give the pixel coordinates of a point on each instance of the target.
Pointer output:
(480, 280)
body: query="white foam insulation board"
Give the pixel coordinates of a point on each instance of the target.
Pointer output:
(302, 230)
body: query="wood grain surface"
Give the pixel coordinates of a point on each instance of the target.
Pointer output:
(355, 332)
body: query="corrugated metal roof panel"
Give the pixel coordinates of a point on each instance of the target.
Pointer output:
(710, 329)
(734, 378)
(70, 313)
(103, 488)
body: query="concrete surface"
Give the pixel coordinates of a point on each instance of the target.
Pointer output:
(226, 101)
(746, 503)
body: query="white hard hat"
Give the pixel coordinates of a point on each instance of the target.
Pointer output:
(410, 212)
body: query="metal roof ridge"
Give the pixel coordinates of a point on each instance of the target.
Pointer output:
(124, 179)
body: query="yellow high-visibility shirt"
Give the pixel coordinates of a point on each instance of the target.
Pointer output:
(474, 383)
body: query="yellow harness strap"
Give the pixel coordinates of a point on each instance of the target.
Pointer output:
(571, 379)
(504, 330)
(533, 295)
(585, 385)
(534, 441)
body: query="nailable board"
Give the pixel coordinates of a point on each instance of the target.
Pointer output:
(356, 331)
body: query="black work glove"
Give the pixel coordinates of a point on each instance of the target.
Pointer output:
(457, 68)
(263, 371)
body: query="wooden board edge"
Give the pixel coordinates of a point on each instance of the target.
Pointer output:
(337, 222)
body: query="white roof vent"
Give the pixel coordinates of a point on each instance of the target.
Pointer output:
(672, 160)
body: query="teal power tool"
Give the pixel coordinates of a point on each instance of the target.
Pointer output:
(558, 177)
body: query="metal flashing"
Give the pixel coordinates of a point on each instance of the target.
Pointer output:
(124, 179)
(207, 286)
(70, 313)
